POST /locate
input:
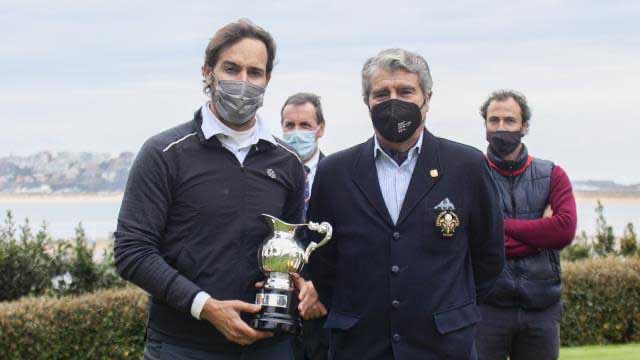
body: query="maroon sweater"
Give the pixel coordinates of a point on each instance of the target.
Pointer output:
(527, 237)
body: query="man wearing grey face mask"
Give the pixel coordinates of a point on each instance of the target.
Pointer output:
(189, 227)
(236, 101)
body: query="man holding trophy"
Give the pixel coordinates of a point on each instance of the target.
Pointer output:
(190, 226)
(417, 228)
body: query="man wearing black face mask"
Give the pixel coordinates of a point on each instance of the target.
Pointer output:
(190, 223)
(521, 316)
(417, 228)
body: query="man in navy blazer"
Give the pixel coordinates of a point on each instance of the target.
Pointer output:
(417, 229)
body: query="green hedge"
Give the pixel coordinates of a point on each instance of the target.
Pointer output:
(602, 301)
(107, 324)
(602, 305)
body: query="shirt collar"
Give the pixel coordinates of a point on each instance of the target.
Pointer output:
(212, 126)
(377, 149)
(313, 161)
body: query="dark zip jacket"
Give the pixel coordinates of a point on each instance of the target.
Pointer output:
(190, 221)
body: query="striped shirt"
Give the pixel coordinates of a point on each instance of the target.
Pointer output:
(393, 178)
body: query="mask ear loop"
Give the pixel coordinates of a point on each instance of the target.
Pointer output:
(423, 120)
(423, 103)
(210, 82)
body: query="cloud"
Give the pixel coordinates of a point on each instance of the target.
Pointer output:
(104, 76)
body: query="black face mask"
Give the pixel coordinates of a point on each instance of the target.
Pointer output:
(504, 142)
(396, 120)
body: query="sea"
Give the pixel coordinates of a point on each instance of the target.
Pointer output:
(98, 215)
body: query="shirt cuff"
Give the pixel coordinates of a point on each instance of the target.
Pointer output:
(198, 304)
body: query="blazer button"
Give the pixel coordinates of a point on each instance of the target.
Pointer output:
(395, 269)
(396, 236)
(395, 304)
(396, 337)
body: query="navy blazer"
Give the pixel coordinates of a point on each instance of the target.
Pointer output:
(405, 291)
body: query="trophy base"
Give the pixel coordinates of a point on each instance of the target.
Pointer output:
(279, 312)
(284, 325)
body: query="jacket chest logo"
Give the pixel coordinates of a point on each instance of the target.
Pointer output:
(271, 173)
(447, 220)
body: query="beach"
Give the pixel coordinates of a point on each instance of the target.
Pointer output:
(62, 197)
(98, 212)
(117, 197)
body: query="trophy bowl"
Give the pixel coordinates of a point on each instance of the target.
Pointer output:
(280, 255)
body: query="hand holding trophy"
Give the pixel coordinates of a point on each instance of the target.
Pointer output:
(280, 255)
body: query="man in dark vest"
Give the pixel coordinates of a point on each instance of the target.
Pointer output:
(417, 228)
(521, 315)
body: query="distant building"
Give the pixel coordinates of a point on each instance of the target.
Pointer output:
(47, 172)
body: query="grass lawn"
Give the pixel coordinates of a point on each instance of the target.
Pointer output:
(609, 352)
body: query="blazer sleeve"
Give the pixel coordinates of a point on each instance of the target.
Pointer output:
(486, 230)
(294, 204)
(322, 264)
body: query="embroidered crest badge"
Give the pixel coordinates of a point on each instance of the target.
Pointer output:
(447, 220)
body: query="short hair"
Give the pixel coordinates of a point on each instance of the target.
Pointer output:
(503, 95)
(302, 98)
(231, 34)
(396, 59)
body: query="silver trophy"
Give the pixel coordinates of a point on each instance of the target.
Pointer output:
(280, 255)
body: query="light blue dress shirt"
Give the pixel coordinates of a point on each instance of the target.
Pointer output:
(394, 179)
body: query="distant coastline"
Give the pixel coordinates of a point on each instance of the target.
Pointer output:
(608, 197)
(116, 197)
(107, 197)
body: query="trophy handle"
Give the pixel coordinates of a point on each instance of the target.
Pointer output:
(323, 228)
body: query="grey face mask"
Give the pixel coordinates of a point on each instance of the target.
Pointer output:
(237, 101)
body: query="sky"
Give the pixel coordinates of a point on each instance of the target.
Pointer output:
(103, 76)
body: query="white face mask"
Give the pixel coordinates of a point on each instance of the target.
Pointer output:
(237, 101)
(303, 142)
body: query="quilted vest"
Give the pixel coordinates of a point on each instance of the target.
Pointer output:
(532, 282)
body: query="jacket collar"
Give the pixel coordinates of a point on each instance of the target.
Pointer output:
(212, 126)
(508, 167)
(213, 141)
(425, 175)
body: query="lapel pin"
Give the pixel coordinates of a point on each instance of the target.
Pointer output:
(433, 173)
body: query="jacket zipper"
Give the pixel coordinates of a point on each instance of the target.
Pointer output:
(513, 198)
(517, 270)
